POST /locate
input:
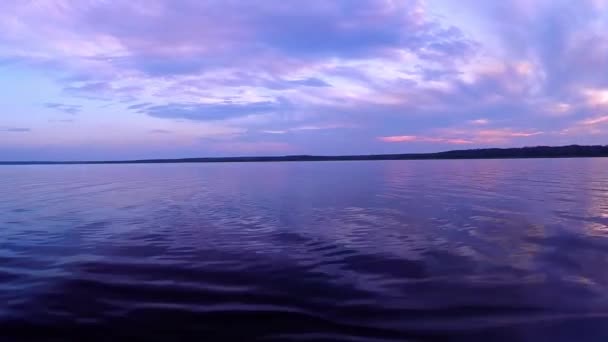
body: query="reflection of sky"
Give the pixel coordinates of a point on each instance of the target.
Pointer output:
(373, 224)
(161, 78)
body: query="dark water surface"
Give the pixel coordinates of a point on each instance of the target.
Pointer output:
(508, 250)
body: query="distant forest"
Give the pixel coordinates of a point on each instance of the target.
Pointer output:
(486, 153)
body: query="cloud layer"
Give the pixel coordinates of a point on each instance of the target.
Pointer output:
(323, 77)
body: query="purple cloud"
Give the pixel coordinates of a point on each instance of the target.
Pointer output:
(160, 131)
(14, 129)
(287, 84)
(211, 112)
(66, 108)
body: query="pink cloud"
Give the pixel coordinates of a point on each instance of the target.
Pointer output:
(592, 126)
(595, 121)
(399, 138)
(463, 137)
(457, 141)
(504, 133)
(480, 122)
(596, 97)
(275, 131)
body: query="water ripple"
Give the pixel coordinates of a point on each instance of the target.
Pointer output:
(504, 250)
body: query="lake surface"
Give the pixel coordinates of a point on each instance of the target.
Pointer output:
(506, 250)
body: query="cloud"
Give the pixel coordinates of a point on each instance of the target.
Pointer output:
(320, 127)
(339, 29)
(173, 38)
(289, 84)
(595, 121)
(567, 49)
(558, 109)
(66, 108)
(275, 131)
(62, 120)
(480, 122)
(160, 131)
(14, 129)
(93, 87)
(596, 97)
(310, 82)
(500, 135)
(211, 112)
(139, 106)
(255, 80)
(413, 138)
(116, 90)
(306, 128)
(399, 138)
(459, 137)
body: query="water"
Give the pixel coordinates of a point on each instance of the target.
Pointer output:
(513, 250)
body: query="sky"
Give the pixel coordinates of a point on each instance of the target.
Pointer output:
(129, 79)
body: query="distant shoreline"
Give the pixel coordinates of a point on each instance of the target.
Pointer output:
(570, 151)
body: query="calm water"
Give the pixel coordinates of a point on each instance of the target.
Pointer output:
(513, 250)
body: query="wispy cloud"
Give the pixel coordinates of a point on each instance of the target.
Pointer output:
(14, 129)
(62, 120)
(460, 137)
(400, 138)
(414, 138)
(275, 131)
(480, 122)
(66, 108)
(160, 131)
(595, 121)
(211, 111)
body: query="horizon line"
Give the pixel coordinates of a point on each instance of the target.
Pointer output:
(449, 154)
